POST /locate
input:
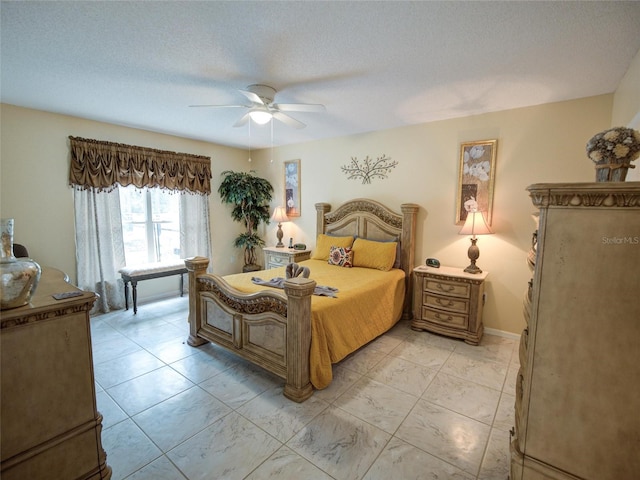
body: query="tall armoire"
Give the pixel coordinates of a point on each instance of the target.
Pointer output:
(577, 409)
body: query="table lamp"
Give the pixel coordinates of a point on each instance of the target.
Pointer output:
(280, 215)
(474, 225)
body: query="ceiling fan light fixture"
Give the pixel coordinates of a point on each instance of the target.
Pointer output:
(261, 117)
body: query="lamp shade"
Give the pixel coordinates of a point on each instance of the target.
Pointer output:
(279, 215)
(475, 225)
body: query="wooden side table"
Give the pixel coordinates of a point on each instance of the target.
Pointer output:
(449, 301)
(281, 257)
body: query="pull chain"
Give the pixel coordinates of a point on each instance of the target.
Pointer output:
(272, 140)
(249, 140)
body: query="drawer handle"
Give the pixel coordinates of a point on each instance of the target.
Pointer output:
(447, 319)
(448, 303)
(445, 288)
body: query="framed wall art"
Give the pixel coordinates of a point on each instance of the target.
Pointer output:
(476, 178)
(292, 187)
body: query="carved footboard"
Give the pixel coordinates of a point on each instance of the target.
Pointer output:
(268, 328)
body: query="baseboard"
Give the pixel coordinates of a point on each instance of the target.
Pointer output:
(501, 333)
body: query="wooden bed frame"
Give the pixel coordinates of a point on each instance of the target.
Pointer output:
(273, 329)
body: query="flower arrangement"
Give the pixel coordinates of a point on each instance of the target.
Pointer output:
(613, 149)
(617, 145)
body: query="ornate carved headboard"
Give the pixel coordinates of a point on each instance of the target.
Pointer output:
(374, 221)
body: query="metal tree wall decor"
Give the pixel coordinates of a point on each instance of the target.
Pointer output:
(369, 169)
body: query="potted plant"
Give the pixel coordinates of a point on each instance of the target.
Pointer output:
(250, 196)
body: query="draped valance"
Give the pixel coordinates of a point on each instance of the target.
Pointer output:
(100, 166)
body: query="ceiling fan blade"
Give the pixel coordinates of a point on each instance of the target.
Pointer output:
(287, 120)
(243, 121)
(299, 107)
(252, 96)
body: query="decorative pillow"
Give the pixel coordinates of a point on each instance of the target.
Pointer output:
(397, 263)
(371, 254)
(341, 256)
(324, 244)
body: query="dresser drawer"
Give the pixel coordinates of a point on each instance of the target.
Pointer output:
(445, 318)
(451, 304)
(447, 288)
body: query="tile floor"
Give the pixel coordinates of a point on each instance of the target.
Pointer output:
(408, 405)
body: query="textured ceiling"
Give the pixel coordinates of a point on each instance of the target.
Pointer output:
(374, 65)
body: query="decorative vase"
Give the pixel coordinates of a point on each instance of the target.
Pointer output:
(607, 172)
(19, 277)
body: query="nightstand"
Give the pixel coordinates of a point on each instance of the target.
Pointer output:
(281, 257)
(449, 301)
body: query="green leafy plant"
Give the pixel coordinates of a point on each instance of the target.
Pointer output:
(250, 196)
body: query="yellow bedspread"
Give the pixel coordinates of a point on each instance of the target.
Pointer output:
(369, 302)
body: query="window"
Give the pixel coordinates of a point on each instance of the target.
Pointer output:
(150, 224)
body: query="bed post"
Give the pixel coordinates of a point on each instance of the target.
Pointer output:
(321, 209)
(299, 290)
(196, 267)
(409, 214)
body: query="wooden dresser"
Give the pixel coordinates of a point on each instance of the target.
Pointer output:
(281, 257)
(50, 426)
(577, 408)
(449, 301)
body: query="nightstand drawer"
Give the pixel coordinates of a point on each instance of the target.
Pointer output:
(444, 318)
(274, 260)
(447, 288)
(281, 257)
(451, 304)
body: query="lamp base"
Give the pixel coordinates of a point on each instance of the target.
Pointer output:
(473, 268)
(473, 253)
(279, 234)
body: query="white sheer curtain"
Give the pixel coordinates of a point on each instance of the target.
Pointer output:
(99, 246)
(194, 226)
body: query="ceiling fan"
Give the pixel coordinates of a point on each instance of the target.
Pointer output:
(262, 108)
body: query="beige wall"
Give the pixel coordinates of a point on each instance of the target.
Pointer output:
(536, 144)
(626, 101)
(626, 106)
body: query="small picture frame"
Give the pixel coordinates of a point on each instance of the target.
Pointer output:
(476, 178)
(292, 187)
